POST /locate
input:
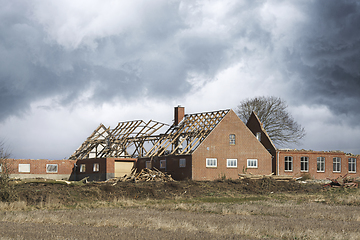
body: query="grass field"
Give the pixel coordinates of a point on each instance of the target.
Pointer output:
(182, 210)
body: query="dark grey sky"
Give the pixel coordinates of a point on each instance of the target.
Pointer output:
(66, 66)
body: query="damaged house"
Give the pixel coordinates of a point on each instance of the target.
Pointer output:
(198, 146)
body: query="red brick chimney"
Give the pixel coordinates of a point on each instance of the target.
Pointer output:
(179, 113)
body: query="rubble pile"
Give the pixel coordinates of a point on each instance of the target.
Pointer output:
(342, 181)
(146, 175)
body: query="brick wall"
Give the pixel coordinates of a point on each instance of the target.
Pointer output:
(217, 145)
(312, 168)
(38, 168)
(255, 127)
(171, 167)
(106, 168)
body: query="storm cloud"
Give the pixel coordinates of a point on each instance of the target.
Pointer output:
(85, 54)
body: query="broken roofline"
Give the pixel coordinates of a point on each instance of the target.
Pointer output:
(193, 128)
(134, 134)
(104, 142)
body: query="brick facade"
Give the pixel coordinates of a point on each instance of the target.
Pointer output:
(256, 128)
(328, 171)
(172, 165)
(38, 168)
(217, 145)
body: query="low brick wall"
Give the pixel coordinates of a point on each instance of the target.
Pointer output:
(312, 163)
(41, 168)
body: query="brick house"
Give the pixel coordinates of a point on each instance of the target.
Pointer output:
(208, 146)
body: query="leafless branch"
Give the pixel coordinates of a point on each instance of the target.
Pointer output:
(278, 123)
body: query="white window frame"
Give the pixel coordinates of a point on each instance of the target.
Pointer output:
(252, 163)
(336, 164)
(24, 168)
(232, 139)
(231, 163)
(96, 167)
(288, 163)
(82, 168)
(211, 162)
(182, 162)
(304, 161)
(258, 136)
(148, 164)
(162, 163)
(50, 167)
(320, 163)
(352, 161)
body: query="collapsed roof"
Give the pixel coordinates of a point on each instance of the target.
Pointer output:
(140, 139)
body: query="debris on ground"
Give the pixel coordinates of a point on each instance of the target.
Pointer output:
(272, 176)
(145, 175)
(342, 181)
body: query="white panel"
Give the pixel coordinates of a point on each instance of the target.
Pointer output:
(24, 168)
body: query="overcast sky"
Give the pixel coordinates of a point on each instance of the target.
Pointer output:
(67, 66)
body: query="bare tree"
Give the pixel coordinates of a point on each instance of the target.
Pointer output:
(5, 168)
(278, 123)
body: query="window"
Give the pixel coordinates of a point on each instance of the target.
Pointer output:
(252, 163)
(96, 167)
(352, 165)
(182, 162)
(82, 167)
(162, 163)
(320, 164)
(304, 164)
(258, 136)
(232, 139)
(51, 168)
(24, 168)
(288, 163)
(211, 162)
(148, 164)
(336, 164)
(0, 167)
(231, 163)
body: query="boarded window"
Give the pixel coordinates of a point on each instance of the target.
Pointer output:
(24, 168)
(231, 163)
(162, 163)
(96, 167)
(182, 162)
(51, 168)
(82, 167)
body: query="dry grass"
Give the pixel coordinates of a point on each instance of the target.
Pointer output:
(333, 214)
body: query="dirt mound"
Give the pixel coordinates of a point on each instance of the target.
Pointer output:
(35, 193)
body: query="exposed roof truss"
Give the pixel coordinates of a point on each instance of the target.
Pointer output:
(127, 139)
(188, 135)
(138, 138)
